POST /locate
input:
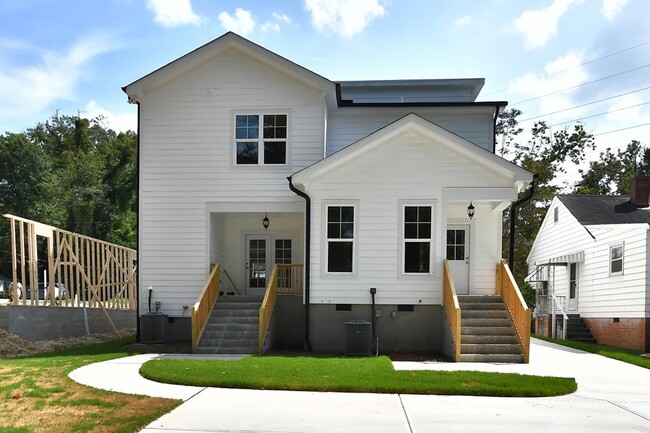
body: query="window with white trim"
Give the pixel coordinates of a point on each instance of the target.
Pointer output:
(261, 142)
(340, 239)
(417, 239)
(616, 259)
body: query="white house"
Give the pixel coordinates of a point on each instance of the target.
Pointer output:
(591, 252)
(248, 160)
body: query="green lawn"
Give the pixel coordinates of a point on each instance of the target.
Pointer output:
(36, 395)
(375, 375)
(625, 355)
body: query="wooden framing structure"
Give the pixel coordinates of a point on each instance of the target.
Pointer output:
(93, 273)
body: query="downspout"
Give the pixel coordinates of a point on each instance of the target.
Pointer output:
(137, 229)
(307, 257)
(513, 217)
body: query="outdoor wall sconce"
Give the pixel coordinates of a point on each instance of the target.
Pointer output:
(471, 210)
(266, 222)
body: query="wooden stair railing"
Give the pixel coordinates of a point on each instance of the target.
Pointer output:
(202, 309)
(286, 279)
(453, 310)
(517, 308)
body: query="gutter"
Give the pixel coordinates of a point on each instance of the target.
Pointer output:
(307, 257)
(513, 217)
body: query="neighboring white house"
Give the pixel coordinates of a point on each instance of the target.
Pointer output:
(592, 253)
(231, 135)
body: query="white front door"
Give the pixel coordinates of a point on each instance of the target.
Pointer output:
(258, 264)
(573, 287)
(457, 244)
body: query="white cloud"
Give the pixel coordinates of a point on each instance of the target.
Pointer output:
(619, 111)
(539, 26)
(173, 13)
(242, 23)
(611, 8)
(32, 88)
(121, 122)
(270, 26)
(563, 73)
(463, 21)
(343, 17)
(281, 17)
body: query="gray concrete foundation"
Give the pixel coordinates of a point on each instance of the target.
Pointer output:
(50, 323)
(417, 331)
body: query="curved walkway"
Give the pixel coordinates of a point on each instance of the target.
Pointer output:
(612, 396)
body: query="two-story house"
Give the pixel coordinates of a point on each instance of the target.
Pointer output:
(248, 160)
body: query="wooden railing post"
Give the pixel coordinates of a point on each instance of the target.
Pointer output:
(202, 308)
(516, 305)
(267, 307)
(452, 309)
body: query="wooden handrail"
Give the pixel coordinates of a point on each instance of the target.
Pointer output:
(266, 309)
(519, 311)
(290, 279)
(453, 310)
(202, 309)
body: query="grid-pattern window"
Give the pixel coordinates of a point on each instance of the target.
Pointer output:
(261, 143)
(456, 244)
(417, 239)
(283, 255)
(616, 259)
(340, 239)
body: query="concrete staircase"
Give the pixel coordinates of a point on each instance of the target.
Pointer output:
(576, 329)
(232, 327)
(487, 333)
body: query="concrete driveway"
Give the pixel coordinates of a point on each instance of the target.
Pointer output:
(612, 397)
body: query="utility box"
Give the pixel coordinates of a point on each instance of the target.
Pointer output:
(154, 328)
(358, 338)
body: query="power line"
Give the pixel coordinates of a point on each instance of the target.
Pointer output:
(581, 64)
(622, 129)
(601, 114)
(584, 105)
(581, 85)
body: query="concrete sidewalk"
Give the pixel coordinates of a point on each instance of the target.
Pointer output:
(612, 397)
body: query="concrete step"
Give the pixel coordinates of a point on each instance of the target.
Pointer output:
(489, 339)
(482, 330)
(233, 332)
(232, 326)
(244, 320)
(240, 299)
(224, 312)
(494, 349)
(484, 322)
(235, 350)
(481, 299)
(485, 357)
(494, 306)
(484, 314)
(237, 306)
(228, 342)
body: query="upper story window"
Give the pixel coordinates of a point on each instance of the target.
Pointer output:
(616, 259)
(556, 214)
(261, 139)
(340, 239)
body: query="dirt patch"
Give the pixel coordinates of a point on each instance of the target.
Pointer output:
(12, 346)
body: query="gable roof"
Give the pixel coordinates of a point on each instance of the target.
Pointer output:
(415, 123)
(597, 209)
(137, 89)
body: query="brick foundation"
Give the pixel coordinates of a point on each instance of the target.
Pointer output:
(626, 333)
(543, 326)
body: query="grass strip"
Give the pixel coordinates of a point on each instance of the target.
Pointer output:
(36, 395)
(373, 375)
(625, 355)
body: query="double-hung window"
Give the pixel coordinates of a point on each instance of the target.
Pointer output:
(616, 259)
(417, 239)
(261, 139)
(340, 239)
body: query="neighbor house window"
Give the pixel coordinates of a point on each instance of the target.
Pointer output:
(417, 239)
(616, 259)
(556, 214)
(261, 139)
(340, 239)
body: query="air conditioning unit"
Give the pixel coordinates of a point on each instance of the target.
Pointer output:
(358, 338)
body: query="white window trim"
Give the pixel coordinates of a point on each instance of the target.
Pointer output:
(260, 140)
(355, 236)
(620, 245)
(403, 241)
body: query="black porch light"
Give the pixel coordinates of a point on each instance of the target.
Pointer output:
(471, 210)
(266, 222)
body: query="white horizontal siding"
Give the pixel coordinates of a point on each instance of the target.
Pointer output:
(599, 293)
(348, 125)
(379, 185)
(187, 154)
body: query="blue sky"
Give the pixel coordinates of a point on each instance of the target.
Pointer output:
(561, 56)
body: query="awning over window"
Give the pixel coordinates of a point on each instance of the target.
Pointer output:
(577, 257)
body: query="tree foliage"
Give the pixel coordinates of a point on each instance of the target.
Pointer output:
(72, 173)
